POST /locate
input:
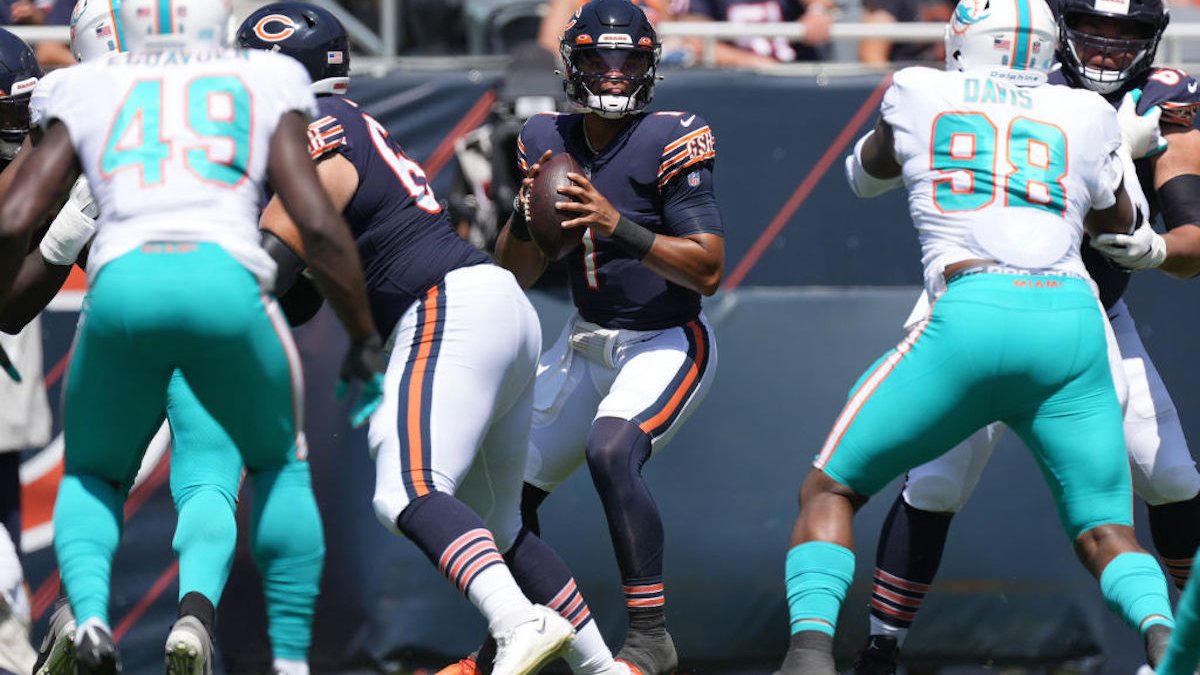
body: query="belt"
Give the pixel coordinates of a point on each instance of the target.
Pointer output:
(997, 268)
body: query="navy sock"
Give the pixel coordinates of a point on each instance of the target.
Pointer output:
(910, 551)
(1175, 529)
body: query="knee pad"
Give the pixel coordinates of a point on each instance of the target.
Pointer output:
(938, 494)
(616, 447)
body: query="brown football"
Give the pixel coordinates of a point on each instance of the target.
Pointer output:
(545, 221)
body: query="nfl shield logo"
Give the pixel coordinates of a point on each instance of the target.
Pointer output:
(334, 58)
(694, 179)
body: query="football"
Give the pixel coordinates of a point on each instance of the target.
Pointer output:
(545, 221)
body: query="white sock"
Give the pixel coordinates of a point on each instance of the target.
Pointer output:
(496, 594)
(290, 667)
(90, 624)
(879, 627)
(587, 654)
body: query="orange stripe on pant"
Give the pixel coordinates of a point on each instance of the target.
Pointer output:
(417, 468)
(681, 393)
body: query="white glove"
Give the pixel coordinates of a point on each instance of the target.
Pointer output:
(73, 227)
(1145, 670)
(1141, 250)
(1140, 134)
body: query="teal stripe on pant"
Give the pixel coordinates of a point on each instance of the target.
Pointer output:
(1026, 350)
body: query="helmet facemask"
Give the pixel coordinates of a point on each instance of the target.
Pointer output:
(14, 124)
(1119, 59)
(610, 81)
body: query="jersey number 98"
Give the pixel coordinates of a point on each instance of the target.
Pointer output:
(217, 110)
(964, 143)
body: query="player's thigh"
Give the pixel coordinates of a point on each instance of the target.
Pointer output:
(202, 454)
(1076, 438)
(945, 484)
(1162, 465)
(567, 391)
(662, 380)
(913, 404)
(462, 357)
(116, 383)
(257, 363)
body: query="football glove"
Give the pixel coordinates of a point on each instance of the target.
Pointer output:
(1140, 134)
(365, 363)
(1142, 250)
(73, 227)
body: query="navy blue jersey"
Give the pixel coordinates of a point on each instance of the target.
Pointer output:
(1176, 93)
(404, 238)
(657, 173)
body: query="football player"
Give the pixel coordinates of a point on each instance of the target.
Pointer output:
(638, 356)
(176, 231)
(19, 74)
(450, 442)
(1002, 257)
(206, 468)
(1108, 49)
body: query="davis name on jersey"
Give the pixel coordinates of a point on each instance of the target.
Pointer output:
(657, 173)
(974, 149)
(405, 240)
(175, 145)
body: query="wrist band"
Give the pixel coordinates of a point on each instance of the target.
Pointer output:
(633, 238)
(518, 227)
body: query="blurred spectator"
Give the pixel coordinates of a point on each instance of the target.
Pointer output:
(49, 53)
(816, 15)
(879, 51)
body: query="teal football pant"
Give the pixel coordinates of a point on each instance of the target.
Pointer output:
(190, 307)
(1025, 350)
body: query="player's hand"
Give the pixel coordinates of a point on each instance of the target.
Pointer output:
(7, 364)
(1142, 250)
(1140, 134)
(365, 363)
(527, 182)
(73, 227)
(594, 209)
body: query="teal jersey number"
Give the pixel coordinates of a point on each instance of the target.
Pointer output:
(136, 136)
(140, 118)
(966, 141)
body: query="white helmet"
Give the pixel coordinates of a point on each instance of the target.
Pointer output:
(1012, 39)
(148, 25)
(94, 29)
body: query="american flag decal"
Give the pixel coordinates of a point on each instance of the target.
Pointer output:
(334, 58)
(1002, 43)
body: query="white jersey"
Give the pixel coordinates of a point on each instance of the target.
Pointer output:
(1001, 172)
(175, 144)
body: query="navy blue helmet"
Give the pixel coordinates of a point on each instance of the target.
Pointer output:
(19, 74)
(1123, 58)
(310, 34)
(610, 42)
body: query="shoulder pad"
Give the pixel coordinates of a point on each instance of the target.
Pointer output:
(1175, 91)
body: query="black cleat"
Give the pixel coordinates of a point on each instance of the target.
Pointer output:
(1156, 639)
(652, 653)
(810, 652)
(878, 657)
(95, 650)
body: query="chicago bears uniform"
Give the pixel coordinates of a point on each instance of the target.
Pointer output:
(450, 442)
(1003, 243)
(638, 356)
(1164, 473)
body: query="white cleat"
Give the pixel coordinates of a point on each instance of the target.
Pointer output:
(529, 646)
(57, 654)
(189, 648)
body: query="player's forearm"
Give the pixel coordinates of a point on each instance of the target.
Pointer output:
(522, 258)
(1183, 252)
(698, 265)
(35, 286)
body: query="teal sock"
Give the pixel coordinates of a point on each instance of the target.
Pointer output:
(289, 547)
(87, 529)
(205, 539)
(1183, 654)
(818, 576)
(1135, 589)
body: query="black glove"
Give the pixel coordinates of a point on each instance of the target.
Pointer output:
(366, 363)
